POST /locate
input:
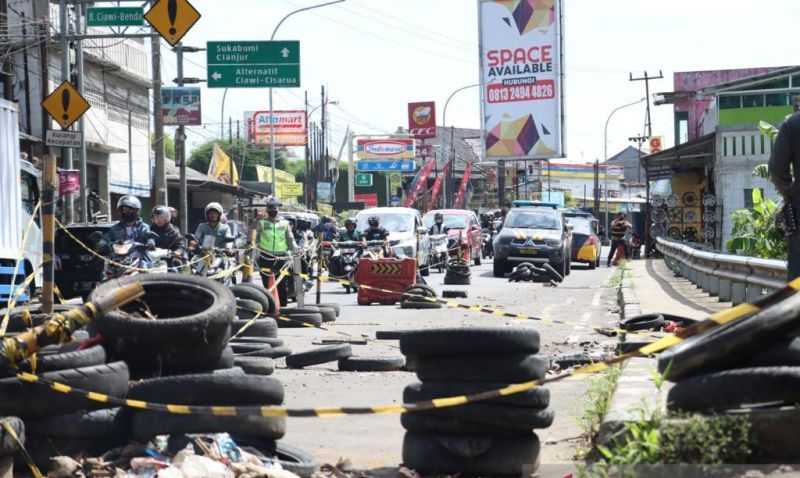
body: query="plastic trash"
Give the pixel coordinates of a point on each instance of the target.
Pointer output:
(195, 466)
(227, 447)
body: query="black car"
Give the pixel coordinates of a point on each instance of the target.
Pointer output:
(78, 271)
(532, 234)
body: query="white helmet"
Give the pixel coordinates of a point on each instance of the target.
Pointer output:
(129, 201)
(214, 206)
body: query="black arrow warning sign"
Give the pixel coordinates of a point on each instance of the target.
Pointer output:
(65, 105)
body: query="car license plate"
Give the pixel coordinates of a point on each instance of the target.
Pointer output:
(529, 251)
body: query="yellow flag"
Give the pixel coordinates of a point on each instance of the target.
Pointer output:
(222, 168)
(264, 174)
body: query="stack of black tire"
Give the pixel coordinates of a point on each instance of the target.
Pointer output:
(415, 298)
(173, 343)
(753, 360)
(255, 344)
(493, 437)
(457, 273)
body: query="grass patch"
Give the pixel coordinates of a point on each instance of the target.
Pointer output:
(598, 399)
(619, 273)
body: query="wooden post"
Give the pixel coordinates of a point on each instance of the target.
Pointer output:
(50, 183)
(319, 269)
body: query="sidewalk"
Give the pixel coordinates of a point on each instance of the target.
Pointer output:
(659, 290)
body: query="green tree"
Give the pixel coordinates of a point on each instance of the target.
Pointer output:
(241, 153)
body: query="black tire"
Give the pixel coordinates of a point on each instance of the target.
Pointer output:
(225, 360)
(643, 322)
(248, 309)
(389, 334)
(271, 341)
(250, 294)
(332, 305)
(328, 313)
(297, 321)
(270, 310)
(279, 352)
(569, 266)
(732, 389)
(732, 344)
(537, 398)
(593, 265)
(329, 353)
(559, 271)
(245, 348)
(213, 390)
(65, 359)
(470, 341)
(479, 419)
(200, 357)
(498, 268)
(557, 276)
(504, 368)
(291, 458)
(255, 365)
(679, 319)
(419, 304)
(454, 279)
(471, 455)
(266, 327)
(371, 364)
(782, 353)
(16, 323)
(8, 445)
(189, 309)
(36, 400)
(111, 423)
(290, 311)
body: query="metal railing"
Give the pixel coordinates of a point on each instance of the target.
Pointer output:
(732, 278)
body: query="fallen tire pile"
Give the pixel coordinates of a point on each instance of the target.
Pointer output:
(171, 346)
(749, 362)
(528, 272)
(494, 437)
(414, 298)
(458, 273)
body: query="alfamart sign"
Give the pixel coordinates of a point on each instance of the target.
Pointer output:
(521, 78)
(400, 148)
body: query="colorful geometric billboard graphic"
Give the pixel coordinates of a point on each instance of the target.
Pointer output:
(521, 52)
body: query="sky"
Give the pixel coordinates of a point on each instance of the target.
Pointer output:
(375, 56)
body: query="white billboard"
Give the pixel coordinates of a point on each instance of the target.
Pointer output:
(521, 78)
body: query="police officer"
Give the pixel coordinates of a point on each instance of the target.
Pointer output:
(214, 227)
(130, 226)
(784, 162)
(350, 233)
(275, 244)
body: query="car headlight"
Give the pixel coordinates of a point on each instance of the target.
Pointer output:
(553, 242)
(404, 251)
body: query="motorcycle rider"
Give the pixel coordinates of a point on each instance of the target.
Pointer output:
(438, 225)
(169, 237)
(327, 228)
(214, 227)
(275, 243)
(350, 233)
(129, 228)
(375, 232)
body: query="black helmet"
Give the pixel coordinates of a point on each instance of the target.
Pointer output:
(349, 222)
(273, 202)
(438, 216)
(374, 221)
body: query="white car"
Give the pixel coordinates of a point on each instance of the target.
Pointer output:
(408, 237)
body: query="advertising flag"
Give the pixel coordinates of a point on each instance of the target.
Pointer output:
(222, 168)
(437, 185)
(419, 182)
(462, 190)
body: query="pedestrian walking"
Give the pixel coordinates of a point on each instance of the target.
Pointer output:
(619, 227)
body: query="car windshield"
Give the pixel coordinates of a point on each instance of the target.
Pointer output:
(581, 225)
(451, 221)
(392, 222)
(532, 220)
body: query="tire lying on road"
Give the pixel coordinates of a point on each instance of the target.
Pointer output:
(415, 298)
(328, 314)
(18, 316)
(515, 368)
(296, 321)
(538, 397)
(211, 390)
(64, 357)
(262, 296)
(255, 365)
(643, 322)
(188, 309)
(271, 341)
(732, 344)
(371, 364)
(291, 458)
(473, 455)
(321, 355)
(28, 400)
(265, 327)
(332, 305)
(732, 389)
(450, 341)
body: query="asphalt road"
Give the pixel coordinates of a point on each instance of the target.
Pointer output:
(583, 301)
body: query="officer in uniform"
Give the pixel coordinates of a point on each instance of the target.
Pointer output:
(276, 244)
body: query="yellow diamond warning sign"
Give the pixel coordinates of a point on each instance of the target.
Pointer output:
(65, 105)
(172, 19)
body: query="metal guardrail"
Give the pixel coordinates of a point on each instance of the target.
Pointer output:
(733, 278)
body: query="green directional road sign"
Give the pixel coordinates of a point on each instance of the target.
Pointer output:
(364, 180)
(115, 17)
(253, 64)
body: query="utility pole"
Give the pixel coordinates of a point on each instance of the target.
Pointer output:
(306, 188)
(80, 30)
(597, 187)
(44, 68)
(646, 78)
(351, 170)
(160, 176)
(640, 140)
(324, 149)
(180, 154)
(66, 153)
(8, 90)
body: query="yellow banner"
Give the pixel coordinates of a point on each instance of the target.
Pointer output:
(264, 174)
(326, 209)
(221, 168)
(290, 190)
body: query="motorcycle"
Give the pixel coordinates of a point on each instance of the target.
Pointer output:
(439, 251)
(346, 258)
(130, 257)
(214, 261)
(487, 250)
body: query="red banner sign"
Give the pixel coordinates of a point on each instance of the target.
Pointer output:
(462, 190)
(69, 181)
(422, 119)
(419, 183)
(369, 199)
(437, 185)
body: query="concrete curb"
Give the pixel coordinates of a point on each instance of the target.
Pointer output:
(629, 305)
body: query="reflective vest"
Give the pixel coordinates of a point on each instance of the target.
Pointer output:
(272, 237)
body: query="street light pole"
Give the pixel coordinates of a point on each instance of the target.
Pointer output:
(271, 122)
(444, 140)
(605, 154)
